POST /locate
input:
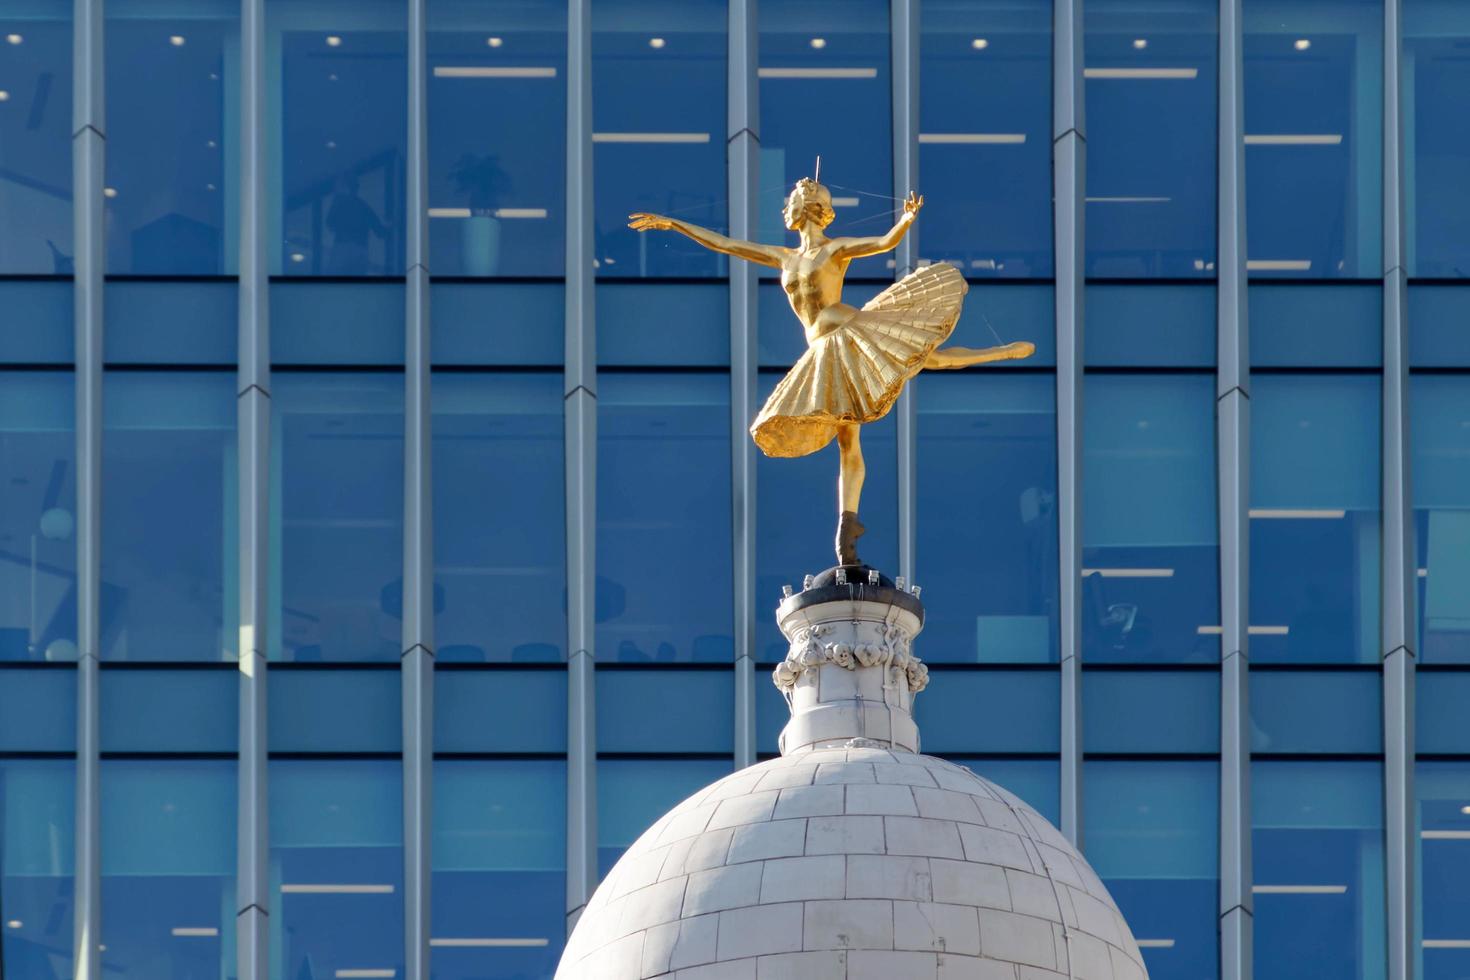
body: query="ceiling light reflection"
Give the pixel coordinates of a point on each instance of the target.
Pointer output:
(817, 73)
(177, 40)
(1139, 43)
(1140, 73)
(1302, 44)
(1155, 943)
(819, 43)
(495, 42)
(452, 71)
(333, 41)
(650, 137)
(656, 42)
(200, 931)
(109, 192)
(4, 95)
(14, 38)
(1129, 572)
(980, 44)
(14, 924)
(491, 943)
(336, 889)
(974, 138)
(1293, 139)
(1299, 889)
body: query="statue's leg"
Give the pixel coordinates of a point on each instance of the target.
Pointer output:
(849, 489)
(949, 358)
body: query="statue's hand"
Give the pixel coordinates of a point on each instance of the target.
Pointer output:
(912, 205)
(639, 221)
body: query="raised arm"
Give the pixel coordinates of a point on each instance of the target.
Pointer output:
(856, 248)
(770, 255)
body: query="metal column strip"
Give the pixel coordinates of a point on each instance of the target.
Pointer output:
(1069, 178)
(89, 147)
(418, 526)
(253, 414)
(904, 16)
(743, 169)
(1232, 408)
(581, 469)
(1400, 575)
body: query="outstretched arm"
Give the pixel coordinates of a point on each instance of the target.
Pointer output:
(751, 251)
(856, 248)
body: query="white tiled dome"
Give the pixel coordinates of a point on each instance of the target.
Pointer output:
(848, 863)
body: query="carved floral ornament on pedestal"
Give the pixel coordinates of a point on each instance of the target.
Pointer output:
(889, 648)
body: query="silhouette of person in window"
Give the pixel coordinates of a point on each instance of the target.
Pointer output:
(352, 222)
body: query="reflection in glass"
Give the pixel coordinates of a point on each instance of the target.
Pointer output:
(499, 854)
(663, 518)
(497, 137)
(1151, 138)
(1313, 134)
(170, 180)
(499, 550)
(338, 491)
(1441, 466)
(36, 894)
(340, 124)
(632, 794)
(35, 138)
(986, 551)
(168, 556)
(824, 91)
(999, 225)
(1150, 576)
(1436, 145)
(168, 869)
(1443, 790)
(1314, 516)
(659, 125)
(1317, 848)
(337, 866)
(38, 612)
(789, 545)
(1152, 836)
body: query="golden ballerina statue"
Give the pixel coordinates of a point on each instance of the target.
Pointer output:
(857, 360)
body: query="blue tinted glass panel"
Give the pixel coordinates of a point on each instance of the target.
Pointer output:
(1151, 832)
(38, 710)
(170, 710)
(38, 588)
(1309, 325)
(696, 711)
(987, 529)
(168, 869)
(35, 140)
(1443, 789)
(633, 794)
(38, 314)
(988, 711)
(1314, 518)
(337, 865)
(337, 517)
(498, 323)
(1163, 325)
(1313, 130)
(339, 127)
(1440, 439)
(683, 324)
(335, 711)
(1437, 335)
(1439, 712)
(169, 570)
(659, 124)
(497, 137)
(1036, 781)
(171, 182)
(1436, 147)
(1317, 851)
(663, 518)
(791, 541)
(1316, 711)
(1001, 312)
(833, 54)
(36, 894)
(771, 713)
(1151, 138)
(499, 869)
(1151, 711)
(174, 322)
(1000, 226)
(1151, 561)
(336, 322)
(530, 711)
(499, 551)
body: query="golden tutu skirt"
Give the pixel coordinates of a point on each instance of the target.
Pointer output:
(855, 373)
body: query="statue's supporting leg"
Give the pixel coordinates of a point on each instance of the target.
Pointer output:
(849, 488)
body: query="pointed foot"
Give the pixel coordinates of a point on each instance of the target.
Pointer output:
(849, 529)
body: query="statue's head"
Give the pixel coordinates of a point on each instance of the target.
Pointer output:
(808, 201)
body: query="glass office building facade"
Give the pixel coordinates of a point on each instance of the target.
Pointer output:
(328, 365)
